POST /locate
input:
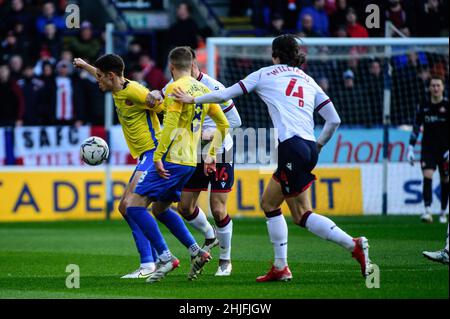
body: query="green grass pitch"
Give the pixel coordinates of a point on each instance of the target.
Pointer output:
(33, 259)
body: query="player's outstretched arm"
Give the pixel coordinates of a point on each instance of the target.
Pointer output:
(213, 97)
(80, 63)
(332, 122)
(233, 117)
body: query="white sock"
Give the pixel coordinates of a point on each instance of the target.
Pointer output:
(224, 236)
(148, 265)
(326, 229)
(194, 249)
(278, 233)
(427, 210)
(446, 245)
(202, 225)
(165, 256)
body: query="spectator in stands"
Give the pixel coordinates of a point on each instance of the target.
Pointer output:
(185, 31)
(341, 32)
(320, 17)
(433, 19)
(19, 15)
(69, 96)
(423, 82)
(25, 41)
(84, 45)
(324, 83)
(133, 54)
(397, 15)
(9, 47)
(349, 100)
(51, 41)
(137, 75)
(47, 99)
(31, 88)
(44, 57)
(15, 67)
(308, 27)
(94, 99)
(339, 16)
(11, 110)
(239, 8)
(374, 88)
(153, 75)
(354, 29)
(49, 15)
(277, 25)
(67, 55)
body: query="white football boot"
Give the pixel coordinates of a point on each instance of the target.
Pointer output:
(427, 218)
(440, 256)
(225, 268)
(141, 272)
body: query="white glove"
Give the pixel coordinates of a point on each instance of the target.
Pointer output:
(411, 158)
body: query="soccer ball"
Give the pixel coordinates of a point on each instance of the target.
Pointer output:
(94, 151)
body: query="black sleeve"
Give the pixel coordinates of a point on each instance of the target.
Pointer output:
(418, 121)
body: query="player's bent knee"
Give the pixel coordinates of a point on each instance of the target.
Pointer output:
(219, 213)
(267, 206)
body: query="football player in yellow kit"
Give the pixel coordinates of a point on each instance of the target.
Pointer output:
(137, 113)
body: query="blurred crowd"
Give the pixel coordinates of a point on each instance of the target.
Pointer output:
(39, 86)
(344, 18)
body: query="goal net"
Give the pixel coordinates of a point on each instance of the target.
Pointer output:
(375, 84)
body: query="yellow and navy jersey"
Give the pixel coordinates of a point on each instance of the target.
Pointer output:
(182, 126)
(140, 123)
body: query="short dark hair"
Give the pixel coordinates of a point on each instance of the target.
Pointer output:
(194, 55)
(181, 58)
(110, 63)
(437, 77)
(188, 6)
(286, 48)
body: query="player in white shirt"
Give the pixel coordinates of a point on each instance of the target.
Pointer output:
(292, 97)
(221, 182)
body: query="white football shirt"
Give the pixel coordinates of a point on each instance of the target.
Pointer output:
(291, 96)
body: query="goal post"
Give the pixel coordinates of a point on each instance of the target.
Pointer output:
(109, 48)
(390, 78)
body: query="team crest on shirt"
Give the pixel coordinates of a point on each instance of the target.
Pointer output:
(443, 110)
(289, 166)
(223, 184)
(128, 102)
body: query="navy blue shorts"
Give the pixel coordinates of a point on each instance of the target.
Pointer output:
(433, 156)
(157, 188)
(297, 158)
(221, 182)
(145, 161)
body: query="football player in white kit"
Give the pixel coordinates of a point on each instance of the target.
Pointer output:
(221, 182)
(292, 97)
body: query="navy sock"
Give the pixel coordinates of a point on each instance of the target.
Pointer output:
(142, 243)
(444, 196)
(177, 227)
(149, 227)
(427, 191)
